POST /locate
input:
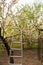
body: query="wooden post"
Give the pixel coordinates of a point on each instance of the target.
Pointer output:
(0, 31)
(39, 45)
(0, 27)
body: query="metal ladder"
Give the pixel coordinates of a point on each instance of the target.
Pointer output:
(17, 49)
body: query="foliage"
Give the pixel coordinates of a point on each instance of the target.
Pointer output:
(28, 19)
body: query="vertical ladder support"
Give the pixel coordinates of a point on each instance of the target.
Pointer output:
(12, 56)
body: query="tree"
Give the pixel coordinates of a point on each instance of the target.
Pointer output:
(3, 19)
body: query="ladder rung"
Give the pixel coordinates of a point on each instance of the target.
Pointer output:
(14, 64)
(16, 48)
(15, 56)
(17, 42)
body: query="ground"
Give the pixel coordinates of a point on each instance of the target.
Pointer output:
(29, 58)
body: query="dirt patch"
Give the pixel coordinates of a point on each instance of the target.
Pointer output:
(29, 58)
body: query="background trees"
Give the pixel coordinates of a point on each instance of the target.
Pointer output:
(28, 19)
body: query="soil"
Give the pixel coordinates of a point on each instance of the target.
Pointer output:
(30, 57)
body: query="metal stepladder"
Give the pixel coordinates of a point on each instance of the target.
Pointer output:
(17, 52)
